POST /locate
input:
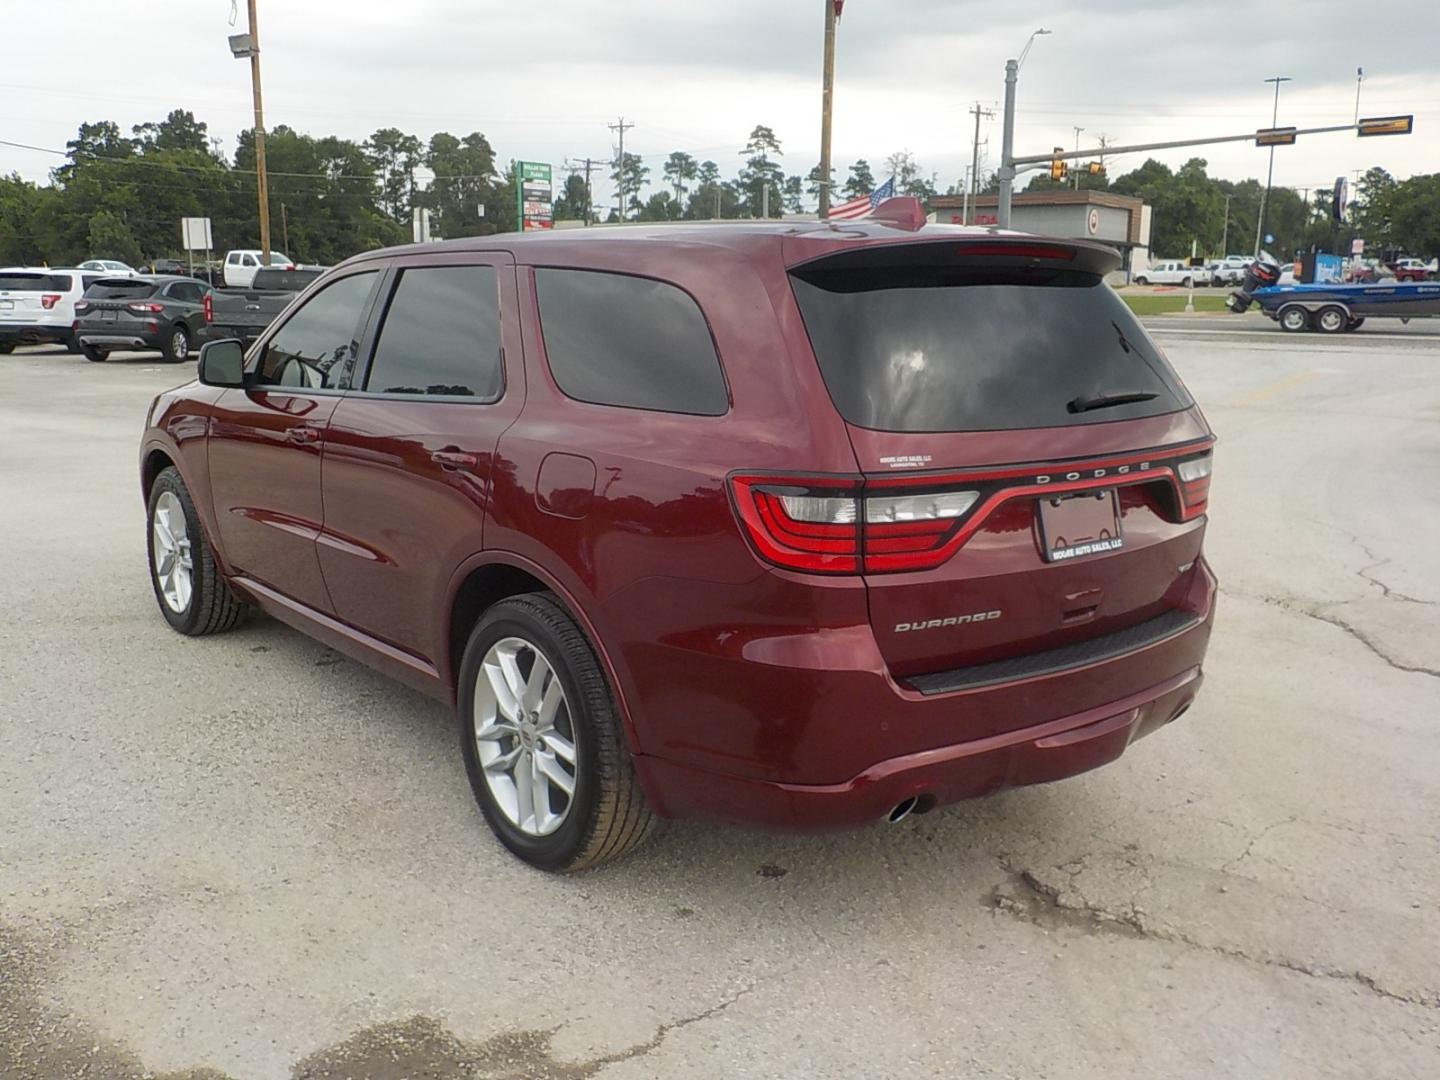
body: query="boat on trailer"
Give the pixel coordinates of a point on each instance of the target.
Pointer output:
(1335, 308)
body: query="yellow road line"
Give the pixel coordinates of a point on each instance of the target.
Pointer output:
(1277, 387)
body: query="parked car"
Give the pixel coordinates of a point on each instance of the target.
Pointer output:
(1174, 272)
(1413, 270)
(605, 496)
(240, 266)
(1231, 269)
(110, 268)
(243, 314)
(1287, 274)
(165, 313)
(37, 305)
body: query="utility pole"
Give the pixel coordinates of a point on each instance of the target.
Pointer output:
(621, 127)
(1006, 172)
(1078, 130)
(1269, 175)
(827, 97)
(586, 164)
(262, 184)
(1225, 229)
(973, 188)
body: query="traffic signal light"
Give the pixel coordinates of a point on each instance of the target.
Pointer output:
(1058, 168)
(1096, 168)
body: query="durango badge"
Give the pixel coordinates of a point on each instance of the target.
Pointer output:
(953, 620)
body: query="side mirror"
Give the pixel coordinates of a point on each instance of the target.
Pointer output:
(222, 363)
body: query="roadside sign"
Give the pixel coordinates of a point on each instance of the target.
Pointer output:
(1275, 136)
(195, 233)
(534, 195)
(1385, 125)
(1357, 246)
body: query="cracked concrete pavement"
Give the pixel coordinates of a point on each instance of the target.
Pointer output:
(248, 858)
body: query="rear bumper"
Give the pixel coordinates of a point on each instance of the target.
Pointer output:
(824, 741)
(34, 332)
(1052, 751)
(119, 340)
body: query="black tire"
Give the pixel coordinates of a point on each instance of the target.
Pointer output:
(1355, 324)
(71, 343)
(176, 346)
(94, 355)
(6, 347)
(1185, 283)
(1331, 320)
(212, 607)
(607, 815)
(1294, 319)
(1141, 279)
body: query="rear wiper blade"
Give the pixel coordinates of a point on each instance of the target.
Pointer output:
(1106, 401)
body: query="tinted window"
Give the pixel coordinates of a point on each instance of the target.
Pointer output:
(284, 280)
(317, 345)
(28, 282)
(61, 282)
(121, 289)
(441, 335)
(183, 290)
(964, 348)
(613, 339)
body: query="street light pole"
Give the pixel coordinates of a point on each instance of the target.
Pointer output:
(827, 96)
(262, 184)
(1270, 175)
(1006, 172)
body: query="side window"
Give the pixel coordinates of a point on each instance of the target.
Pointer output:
(232, 259)
(250, 260)
(614, 339)
(317, 344)
(441, 335)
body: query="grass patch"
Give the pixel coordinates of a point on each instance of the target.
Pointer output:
(1171, 303)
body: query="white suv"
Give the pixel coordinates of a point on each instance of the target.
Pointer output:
(37, 305)
(1174, 272)
(1231, 269)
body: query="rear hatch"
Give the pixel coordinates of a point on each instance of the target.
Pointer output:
(26, 296)
(119, 306)
(1020, 439)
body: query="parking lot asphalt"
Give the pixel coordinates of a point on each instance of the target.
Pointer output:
(247, 857)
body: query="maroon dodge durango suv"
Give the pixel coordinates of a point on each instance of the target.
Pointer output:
(792, 524)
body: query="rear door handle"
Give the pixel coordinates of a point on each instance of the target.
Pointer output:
(452, 458)
(303, 434)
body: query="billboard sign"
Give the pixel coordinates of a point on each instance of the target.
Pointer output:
(534, 195)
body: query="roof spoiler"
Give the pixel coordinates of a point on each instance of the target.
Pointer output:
(901, 211)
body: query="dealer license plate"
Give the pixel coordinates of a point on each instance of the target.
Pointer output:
(1087, 523)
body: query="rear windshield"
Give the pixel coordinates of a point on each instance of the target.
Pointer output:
(284, 280)
(965, 348)
(18, 282)
(120, 289)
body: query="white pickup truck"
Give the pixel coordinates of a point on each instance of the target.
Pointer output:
(240, 266)
(1173, 272)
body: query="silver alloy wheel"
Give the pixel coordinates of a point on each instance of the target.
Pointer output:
(1332, 320)
(525, 737)
(1294, 319)
(174, 564)
(180, 344)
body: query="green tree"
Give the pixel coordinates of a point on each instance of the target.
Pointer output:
(574, 201)
(178, 131)
(793, 194)
(762, 170)
(1414, 207)
(909, 179)
(860, 181)
(680, 172)
(661, 206)
(19, 209)
(466, 180)
(395, 156)
(111, 237)
(630, 176)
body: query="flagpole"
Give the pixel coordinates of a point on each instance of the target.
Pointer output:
(827, 96)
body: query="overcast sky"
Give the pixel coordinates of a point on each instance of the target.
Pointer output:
(542, 80)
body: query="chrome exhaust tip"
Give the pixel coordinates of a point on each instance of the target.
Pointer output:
(901, 810)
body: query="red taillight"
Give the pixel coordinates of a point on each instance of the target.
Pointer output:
(209, 308)
(1194, 477)
(801, 523)
(143, 309)
(814, 524)
(49, 300)
(1019, 251)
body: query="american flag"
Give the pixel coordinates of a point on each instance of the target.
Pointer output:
(858, 208)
